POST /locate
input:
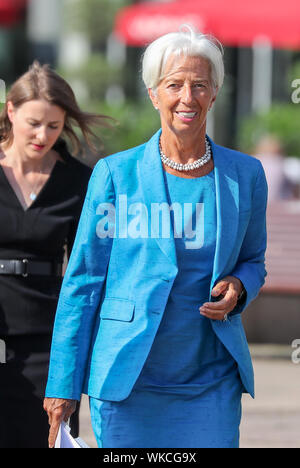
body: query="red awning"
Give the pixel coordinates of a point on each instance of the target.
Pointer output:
(233, 22)
(11, 11)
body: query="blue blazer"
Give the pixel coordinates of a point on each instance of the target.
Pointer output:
(116, 287)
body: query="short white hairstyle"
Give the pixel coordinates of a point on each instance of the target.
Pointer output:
(187, 42)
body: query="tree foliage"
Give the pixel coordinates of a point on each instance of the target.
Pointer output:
(282, 121)
(94, 18)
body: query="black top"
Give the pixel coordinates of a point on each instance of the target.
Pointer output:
(40, 232)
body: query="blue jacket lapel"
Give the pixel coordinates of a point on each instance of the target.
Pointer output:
(154, 190)
(227, 201)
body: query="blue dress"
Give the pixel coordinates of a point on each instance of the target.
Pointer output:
(189, 391)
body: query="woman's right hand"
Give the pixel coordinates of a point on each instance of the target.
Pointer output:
(58, 410)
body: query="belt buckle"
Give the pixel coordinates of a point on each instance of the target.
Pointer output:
(25, 263)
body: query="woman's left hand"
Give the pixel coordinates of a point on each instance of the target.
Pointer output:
(230, 288)
(58, 410)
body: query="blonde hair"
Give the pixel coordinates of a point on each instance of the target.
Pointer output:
(41, 82)
(188, 42)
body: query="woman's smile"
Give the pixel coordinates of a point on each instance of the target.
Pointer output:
(187, 116)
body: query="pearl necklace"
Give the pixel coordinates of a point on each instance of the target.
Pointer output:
(189, 166)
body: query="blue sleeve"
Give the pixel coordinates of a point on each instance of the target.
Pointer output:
(81, 293)
(250, 268)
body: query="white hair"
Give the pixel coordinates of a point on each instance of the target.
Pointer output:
(187, 42)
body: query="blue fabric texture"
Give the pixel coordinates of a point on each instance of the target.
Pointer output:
(189, 391)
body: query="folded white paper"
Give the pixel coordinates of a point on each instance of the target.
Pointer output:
(65, 440)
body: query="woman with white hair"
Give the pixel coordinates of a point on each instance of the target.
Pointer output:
(169, 252)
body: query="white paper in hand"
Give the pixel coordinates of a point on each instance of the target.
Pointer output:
(65, 440)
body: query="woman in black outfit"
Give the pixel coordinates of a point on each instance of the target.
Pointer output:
(42, 188)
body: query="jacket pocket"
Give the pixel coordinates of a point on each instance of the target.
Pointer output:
(117, 309)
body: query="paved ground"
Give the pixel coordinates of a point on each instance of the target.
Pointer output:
(272, 420)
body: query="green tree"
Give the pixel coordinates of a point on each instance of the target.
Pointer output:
(282, 121)
(135, 123)
(135, 120)
(95, 18)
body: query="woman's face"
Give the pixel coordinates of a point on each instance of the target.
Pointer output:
(184, 96)
(36, 126)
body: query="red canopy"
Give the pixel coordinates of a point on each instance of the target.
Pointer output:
(11, 11)
(233, 22)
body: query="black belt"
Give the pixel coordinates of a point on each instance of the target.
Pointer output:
(27, 267)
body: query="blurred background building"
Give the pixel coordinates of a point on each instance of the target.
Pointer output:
(97, 46)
